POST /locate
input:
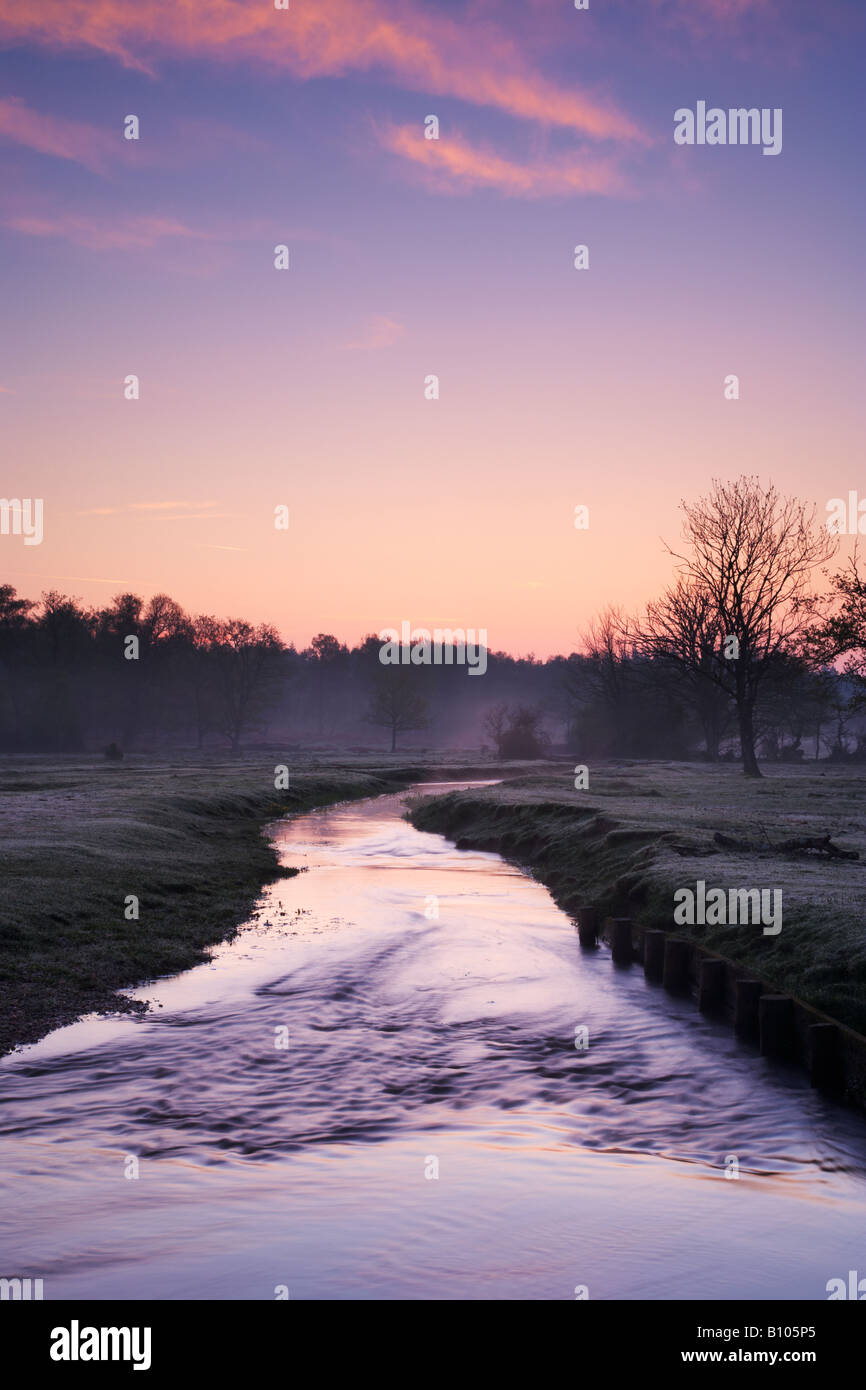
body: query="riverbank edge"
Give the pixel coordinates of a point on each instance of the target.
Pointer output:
(202, 895)
(562, 852)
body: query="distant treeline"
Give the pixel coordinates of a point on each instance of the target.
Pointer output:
(138, 675)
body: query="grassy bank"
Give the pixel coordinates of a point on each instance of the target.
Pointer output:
(642, 830)
(184, 835)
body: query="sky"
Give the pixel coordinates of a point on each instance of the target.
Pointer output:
(408, 258)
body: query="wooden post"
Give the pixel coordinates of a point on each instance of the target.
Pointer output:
(620, 940)
(746, 1000)
(776, 1020)
(676, 967)
(653, 954)
(711, 985)
(587, 925)
(825, 1065)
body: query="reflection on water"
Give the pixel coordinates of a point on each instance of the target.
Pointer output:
(417, 1042)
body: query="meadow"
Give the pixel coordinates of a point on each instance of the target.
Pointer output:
(640, 831)
(185, 834)
(182, 834)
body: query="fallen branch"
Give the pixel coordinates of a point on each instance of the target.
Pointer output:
(813, 844)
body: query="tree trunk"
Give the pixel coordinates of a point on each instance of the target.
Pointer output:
(711, 739)
(747, 739)
(393, 738)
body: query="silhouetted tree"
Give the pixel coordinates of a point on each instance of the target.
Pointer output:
(752, 554)
(495, 724)
(65, 684)
(524, 736)
(395, 703)
(842, 632)
(681, 632)
(15, 626)
(245, 661)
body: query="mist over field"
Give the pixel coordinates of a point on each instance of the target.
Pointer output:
(432, 673)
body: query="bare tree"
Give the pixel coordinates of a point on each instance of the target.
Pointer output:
(751, 553)
(245, 660)
(197, 672)
(681, 630)
(525, 737)
(14, 617)
(517, 730)
(842, 632)
(396, 705)
(494, 724)
(325, 651)
(609, 643)
(164, 619)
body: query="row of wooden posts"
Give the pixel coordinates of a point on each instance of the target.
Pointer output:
(781, 1026)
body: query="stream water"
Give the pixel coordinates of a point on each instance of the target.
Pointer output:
(358, 1098)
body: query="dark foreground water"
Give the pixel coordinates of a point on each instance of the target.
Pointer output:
(417, 1045)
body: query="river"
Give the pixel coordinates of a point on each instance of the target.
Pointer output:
(358, 1098)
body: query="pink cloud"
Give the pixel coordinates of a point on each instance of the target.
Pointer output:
(782, 32)
(190, 140)
(381, 332)
(182, 247)
(729, 9)
(421, 50)
(452, 164)
(749, 21)
(122, 233)
(702, 14)
(169, 506)
(62, 137)
(193, 510)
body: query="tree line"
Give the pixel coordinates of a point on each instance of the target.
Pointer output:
(739, 657)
